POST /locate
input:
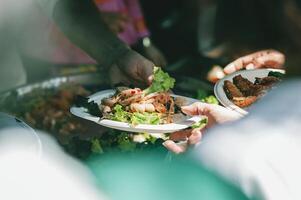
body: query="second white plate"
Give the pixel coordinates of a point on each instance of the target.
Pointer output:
(248, 74)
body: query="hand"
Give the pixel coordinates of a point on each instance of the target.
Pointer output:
(154, 54)
(260, 59)
(132, 69)
(216, 115)
(116, 21)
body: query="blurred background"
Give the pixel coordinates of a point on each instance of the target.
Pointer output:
(193, 35)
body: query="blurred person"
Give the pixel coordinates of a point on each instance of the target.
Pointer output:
(49, 173)
(81, 23)
(219, 114)
(258, 153)
(124, 18)
(231, 29)
(34, 167)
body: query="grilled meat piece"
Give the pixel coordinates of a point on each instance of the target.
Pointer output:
(243, 92)
(267, 82)
(244, 101)
(231, 90)
(243, 84)
(257, 90)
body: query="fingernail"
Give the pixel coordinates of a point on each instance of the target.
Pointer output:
(185, 109)
(229, 68)
(250, 66)
(150, 79)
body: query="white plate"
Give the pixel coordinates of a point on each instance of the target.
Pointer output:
(142, 128)
(250, 75)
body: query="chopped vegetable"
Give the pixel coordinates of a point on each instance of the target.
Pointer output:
(152, 106)
(119, 114)
(124, 143)
(211, 100)
(96, 147)
(145, 118)
(162, 82)
(92, 107)
(202, 123)
(276, 74)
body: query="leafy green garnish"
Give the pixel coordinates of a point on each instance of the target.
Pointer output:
(276, 74)
(145, 118)
(202, 123)
(119, 114)
(91, 106)
(162, 82)
(125, 144)
(210, 99)
(96, 147)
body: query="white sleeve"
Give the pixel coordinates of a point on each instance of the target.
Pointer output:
(261, 153)
(37, 175)
(48, 6)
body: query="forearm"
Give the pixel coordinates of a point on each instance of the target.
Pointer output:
(81, 23)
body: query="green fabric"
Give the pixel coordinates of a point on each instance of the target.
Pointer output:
(147, 177)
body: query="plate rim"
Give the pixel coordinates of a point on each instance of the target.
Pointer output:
(220, 83)
(161, 128)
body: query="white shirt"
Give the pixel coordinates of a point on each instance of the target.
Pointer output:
(22, 28)
(48, 6)
(261, 153)
(28, 173)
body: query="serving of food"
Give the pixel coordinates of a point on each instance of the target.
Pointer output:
(243, 88)
(154, 109)
(45, 106)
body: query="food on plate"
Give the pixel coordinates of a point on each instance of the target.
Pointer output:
(231, 90)
(47, 109)
(242, 92)
(154, 105)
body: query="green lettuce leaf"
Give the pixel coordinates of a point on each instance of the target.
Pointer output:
(162, 82)
(119, 114)
(145, 118)
(211, 100)
(96, 147)
(202, 123)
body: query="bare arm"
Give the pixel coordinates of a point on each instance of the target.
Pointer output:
(81, 23)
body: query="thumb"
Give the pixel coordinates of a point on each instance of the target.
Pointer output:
(196, 108)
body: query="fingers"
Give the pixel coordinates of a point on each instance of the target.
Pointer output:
(136, 68)
(175, 148)
(150, 79)
(272, 59)
(180, 135)
(146, 71)
(197, 108)
(193, 139)
(266, 58)
(117, 76)
(238, 64)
